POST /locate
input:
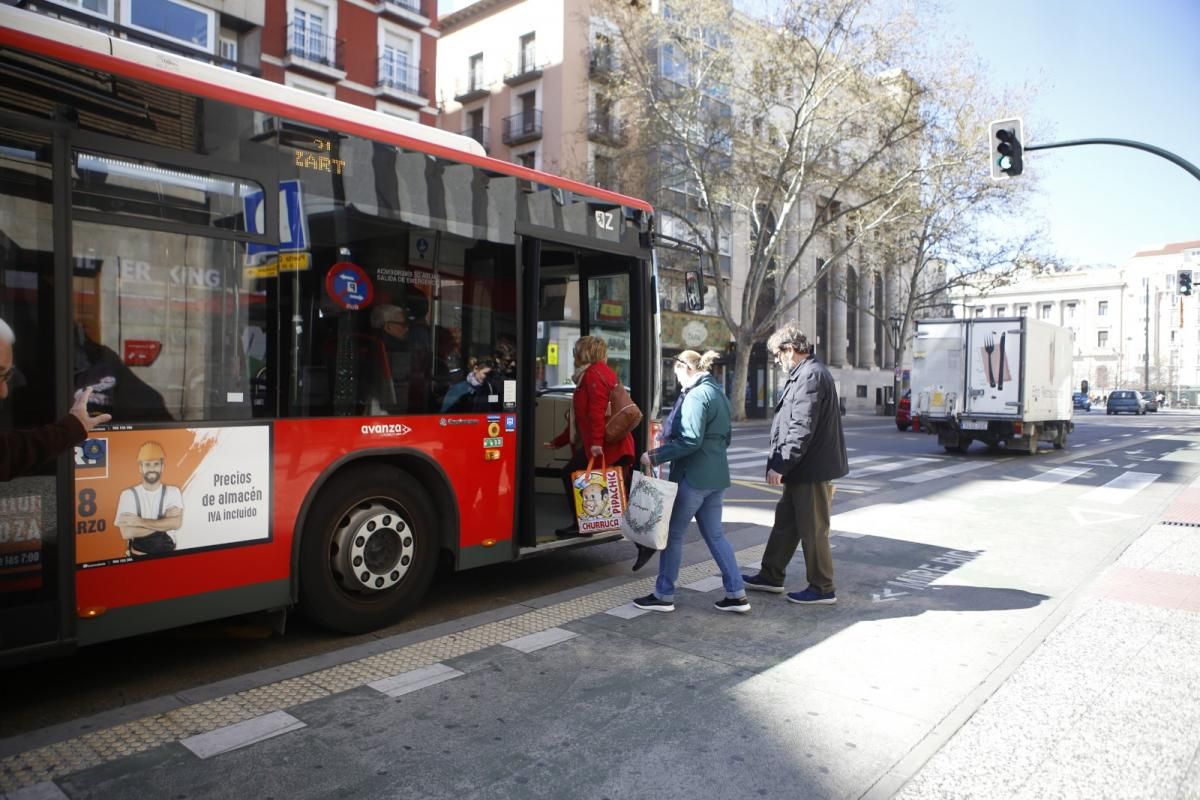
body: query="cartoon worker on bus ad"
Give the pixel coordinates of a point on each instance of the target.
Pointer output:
(148, 494)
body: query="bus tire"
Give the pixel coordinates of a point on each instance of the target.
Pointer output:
(369, 551)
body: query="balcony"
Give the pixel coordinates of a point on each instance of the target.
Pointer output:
(472, 89)
(312, 51)
(604, 128)
(525, 126)
(527, 70)
(602, 62)
(401, 82)
(479, 133)
(403, 10)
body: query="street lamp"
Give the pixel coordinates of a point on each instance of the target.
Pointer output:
(895, 320)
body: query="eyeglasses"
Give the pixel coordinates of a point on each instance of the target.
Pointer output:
(783, 348)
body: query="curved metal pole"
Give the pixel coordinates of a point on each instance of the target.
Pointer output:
(1149, 148)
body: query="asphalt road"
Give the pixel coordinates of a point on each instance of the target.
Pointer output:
(119, 673)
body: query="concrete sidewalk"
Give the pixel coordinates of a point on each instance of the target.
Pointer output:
(1107, 706)
(581, 695)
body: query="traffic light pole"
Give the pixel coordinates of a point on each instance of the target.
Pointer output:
(1191, 168)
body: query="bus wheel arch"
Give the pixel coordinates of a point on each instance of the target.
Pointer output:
(369, 547)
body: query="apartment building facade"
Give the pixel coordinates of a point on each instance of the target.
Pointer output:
(300, 43)
(1132, 327)
(222, 32)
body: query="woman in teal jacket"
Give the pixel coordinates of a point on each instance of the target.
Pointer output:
(695, 444)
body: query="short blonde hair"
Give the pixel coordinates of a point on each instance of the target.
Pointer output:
(702, 363)
(591, 350)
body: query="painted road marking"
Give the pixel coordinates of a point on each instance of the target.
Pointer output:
(1120, 488)
(415, 679)
(627, 611)
(943, 472)
(241, 734)
(890, 466)
(1041, 482)
(706, 584)
(536, 641)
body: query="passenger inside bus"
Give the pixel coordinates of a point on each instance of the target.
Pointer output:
(473, 393)
(115, 388)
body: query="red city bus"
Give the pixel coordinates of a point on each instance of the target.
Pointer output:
(324, 335)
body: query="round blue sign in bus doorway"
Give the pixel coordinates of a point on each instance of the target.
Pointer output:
(349, 286)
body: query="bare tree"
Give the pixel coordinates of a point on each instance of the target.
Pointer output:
(794, 124)
(957, 229)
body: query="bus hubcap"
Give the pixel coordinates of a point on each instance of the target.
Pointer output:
(373, 548)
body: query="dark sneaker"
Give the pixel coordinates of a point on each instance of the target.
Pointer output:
(811, 597)
(756, 583)
(651, 603)
(739, 605)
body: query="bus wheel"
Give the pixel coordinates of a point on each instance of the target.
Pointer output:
(369, 550)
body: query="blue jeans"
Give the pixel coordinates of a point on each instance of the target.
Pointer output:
(705, 505)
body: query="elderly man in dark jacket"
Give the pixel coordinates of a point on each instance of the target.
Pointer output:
(808, 451)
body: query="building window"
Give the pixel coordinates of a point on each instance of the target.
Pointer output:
(228, 50)
(1071, 310)
(528, 54)
(860, 390)
(602, 172)
(173, 19)
(979, 311)
(101, 8)
(1102, 308)
(396, 64)
(475, 72)
(1022, 311)
(527, 159)
(1101, 338)
(309, 39)
(1047, 309)
(998, 311)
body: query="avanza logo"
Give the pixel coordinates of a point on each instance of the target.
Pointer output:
(397, 429)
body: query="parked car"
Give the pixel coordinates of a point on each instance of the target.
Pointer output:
(1081, 400)
(1125, 401)
(1151, 400)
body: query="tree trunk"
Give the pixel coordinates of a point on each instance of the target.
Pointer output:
(741, 375)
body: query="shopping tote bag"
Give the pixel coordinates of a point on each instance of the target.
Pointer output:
(599, 498)
(648, 512)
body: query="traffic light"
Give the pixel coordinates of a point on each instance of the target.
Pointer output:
(1005, 143)
(1183, 282)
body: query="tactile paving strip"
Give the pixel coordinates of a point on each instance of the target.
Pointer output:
(98, 747)
(1185, 509)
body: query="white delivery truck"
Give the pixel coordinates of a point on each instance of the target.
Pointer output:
(1004, 381)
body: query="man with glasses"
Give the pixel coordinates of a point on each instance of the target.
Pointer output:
(808, 451)
(22, 451)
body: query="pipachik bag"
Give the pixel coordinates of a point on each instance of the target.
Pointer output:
(599, 498)
(648, 512)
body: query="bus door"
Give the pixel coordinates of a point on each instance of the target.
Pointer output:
(36, 545)
(578, 292)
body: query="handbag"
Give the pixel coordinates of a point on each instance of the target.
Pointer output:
(648, 512)
(599, 498)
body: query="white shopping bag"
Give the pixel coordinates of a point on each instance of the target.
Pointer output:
(648, 512)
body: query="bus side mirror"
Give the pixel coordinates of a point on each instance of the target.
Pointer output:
(693, 283)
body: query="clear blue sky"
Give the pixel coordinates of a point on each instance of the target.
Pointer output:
(1122, 69)
(1102, 68)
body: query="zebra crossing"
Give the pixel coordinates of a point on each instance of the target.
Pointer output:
(869, 471)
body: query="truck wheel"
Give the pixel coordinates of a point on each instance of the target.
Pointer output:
(369, 550)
